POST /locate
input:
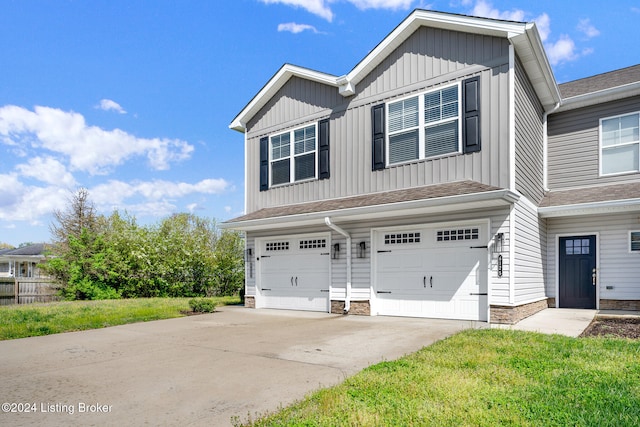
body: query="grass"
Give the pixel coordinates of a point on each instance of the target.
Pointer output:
(20, 321)
(486, 378)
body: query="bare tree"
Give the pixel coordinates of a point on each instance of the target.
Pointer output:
(80, 214)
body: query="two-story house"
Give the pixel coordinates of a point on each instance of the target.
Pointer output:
(446, 175)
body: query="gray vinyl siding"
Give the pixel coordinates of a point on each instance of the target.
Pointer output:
(573, 145)
(530, 255)
(617, 267)
(529, 168)
(413, 68)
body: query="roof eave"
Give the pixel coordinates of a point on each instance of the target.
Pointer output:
(594, 208)
(274, 84)
(598, 97)
(456, 203)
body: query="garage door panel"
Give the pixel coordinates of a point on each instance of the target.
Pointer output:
(294, 274)
(442, 275)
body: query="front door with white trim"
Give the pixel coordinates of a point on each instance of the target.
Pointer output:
(294, 273)
(432, 271)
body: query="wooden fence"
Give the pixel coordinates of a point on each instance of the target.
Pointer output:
(27, 290)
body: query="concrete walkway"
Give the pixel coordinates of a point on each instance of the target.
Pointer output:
(198, 370)
(563, 321)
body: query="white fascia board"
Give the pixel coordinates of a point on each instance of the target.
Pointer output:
(465, 202)
(601, 96)
(445, 21)
(273, 86)
(608, 207)
(531, 52)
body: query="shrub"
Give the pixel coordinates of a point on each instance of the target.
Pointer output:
(202, 305)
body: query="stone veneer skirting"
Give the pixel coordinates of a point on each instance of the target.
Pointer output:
(620, 304)
(362, 308)
(250, 302)
(511, 314)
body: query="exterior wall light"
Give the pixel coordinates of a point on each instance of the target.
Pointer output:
(362, 249)
(336, 251)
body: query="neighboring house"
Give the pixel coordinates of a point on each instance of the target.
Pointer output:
(447, 175)
(22, 262)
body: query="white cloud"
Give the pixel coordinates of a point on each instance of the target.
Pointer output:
(118, 194)
(322, 8)
(227, 209)
(485, 9)
(296, 28)
(562, 50)
(586, 27)
(316, 7)
(543, 22)
(88, 148)
(47, 170)
(20, 202)
(381, 4)
(109, 105)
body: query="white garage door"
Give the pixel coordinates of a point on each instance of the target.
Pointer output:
(438, 272)
(294, 273)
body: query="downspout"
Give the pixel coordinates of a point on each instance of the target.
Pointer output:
(545, 147)
(347, 299)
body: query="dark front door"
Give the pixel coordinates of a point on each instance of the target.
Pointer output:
(577, 281)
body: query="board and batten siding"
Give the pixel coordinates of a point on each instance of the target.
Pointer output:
(529, 142)
(530, 254)
(574, 145)
(617, 267)
(300, 102)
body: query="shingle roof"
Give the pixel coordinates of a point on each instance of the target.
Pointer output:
(31, 250)
(382, 198)
(578, 196)
(600, 82)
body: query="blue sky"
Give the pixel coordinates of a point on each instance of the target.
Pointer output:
(132, 99)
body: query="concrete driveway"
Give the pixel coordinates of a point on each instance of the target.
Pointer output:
(198, 370)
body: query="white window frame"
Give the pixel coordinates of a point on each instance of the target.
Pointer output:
(602, 148)
(631, 232)
(422, 125)
(292, 156)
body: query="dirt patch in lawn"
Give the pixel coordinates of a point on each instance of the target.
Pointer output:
(618, 327)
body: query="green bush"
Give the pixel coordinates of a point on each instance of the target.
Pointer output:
(202, 305)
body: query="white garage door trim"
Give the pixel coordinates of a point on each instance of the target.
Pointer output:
(420, 273)
(294, 272)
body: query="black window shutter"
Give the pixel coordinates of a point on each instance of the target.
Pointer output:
(471, 118)
(323, 149)
(264, 163)
(378, 137)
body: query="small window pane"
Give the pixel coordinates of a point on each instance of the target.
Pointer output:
(305, 140)
(620, 159)
(280, 146)
(403, 114)
(635, 241)
(403, 147)
(305, 166)
(280, 172)
(441, 139)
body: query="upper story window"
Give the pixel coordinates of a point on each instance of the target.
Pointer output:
(423, 126)
(620, 144)
(295, 163)
(300, 154)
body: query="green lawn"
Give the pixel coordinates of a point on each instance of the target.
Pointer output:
(486, 378)
(28, 320)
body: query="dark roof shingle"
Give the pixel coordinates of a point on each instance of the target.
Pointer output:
(579, 196)
(382, 198)
(600, 82)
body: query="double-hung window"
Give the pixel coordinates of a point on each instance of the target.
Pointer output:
(424, 126)
(620, 144)
(293, 155)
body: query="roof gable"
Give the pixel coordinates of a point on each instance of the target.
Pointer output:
(524, 37)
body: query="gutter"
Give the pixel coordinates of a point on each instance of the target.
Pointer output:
(347, 299)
